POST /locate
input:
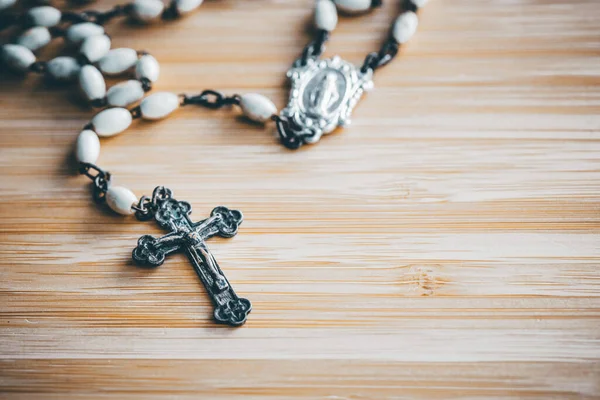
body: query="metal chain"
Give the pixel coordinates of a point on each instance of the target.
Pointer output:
(100, 179)
(374, 60)
(39, 67)
(211, 99)
(171, 11)
(97, 17)
(94, 16)
(144, 210)
(315, 48)
(409, 5)
(146, 207)
(9, 19)
(287, 132)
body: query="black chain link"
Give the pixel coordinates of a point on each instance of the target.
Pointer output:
(376, 60)
(146, 84)
(136, 112)
(287, 132)
(57, 31)
(146, 206)
(211, 99)
(39, 67)
(315, 48)
(408, 5)
(144, 210)
(171, 11)
(97, 17)
(99, 103)
(100, 179)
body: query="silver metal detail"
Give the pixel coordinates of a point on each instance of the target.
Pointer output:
(190, 237)
(323, 95)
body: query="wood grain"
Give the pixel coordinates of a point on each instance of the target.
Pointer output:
(446, 245)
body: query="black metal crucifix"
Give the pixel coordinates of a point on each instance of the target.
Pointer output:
(190, 237)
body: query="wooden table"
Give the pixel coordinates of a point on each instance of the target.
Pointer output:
(445, 245)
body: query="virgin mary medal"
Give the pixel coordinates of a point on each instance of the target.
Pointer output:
(323, 95)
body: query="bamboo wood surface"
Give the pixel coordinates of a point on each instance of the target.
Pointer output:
(445, 245)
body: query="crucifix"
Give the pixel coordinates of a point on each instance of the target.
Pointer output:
(190, 237)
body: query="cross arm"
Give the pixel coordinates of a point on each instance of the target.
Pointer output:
(151, 251)
(222, 222)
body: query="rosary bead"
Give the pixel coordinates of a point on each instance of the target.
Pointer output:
(63, 69)
(35, 38)
(185, 6)
(125, 93)
(159, 105)
(326, 17)
(92, 82)
(44, 16)
(405, 26)
(147, 10)
(120, 199)
(95, 47)
(117, 61)
(4, 4)
(257, 107)
(111, 121)
(419, 3)
(87, 147)
(147, 67)
(16, 57)
(353, 6)
(77, 33)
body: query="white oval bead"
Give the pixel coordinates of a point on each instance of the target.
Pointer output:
(92, 82)
(16, 57)
(125, 93)
(87, 147)
(147, 10)
(159, 105)
(63, 68)
(325, 15)
(77, 33)
(35, 38)
(95, 47)
(257, 107)
(120, 199)
(353, 6)
(405, 26)
(4, 4)
(147, 67)
(111, 121)
(118, 61)
(419, 3)
(185, 6)
(44, 16)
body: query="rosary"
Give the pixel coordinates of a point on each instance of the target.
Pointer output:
(323, 94)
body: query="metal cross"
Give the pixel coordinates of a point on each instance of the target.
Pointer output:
(190, 237)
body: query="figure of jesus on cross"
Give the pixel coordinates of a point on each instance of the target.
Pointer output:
(190, 237)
